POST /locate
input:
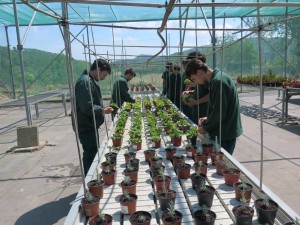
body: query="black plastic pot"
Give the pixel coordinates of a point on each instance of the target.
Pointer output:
(205, 219)
(266, 214)
(166, 199)
(205, 197)
(197, 180)
(243, 215)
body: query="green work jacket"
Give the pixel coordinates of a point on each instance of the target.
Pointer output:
(200, 110)
(231, 118)
(88, 99)
(120, 92)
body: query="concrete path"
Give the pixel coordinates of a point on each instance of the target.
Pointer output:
(38, 188)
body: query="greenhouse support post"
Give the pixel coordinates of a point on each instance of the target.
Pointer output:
(10, 63)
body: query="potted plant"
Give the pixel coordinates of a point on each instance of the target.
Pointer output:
(205, 194)
(161, 181)
(90, 204)
(220, 166)
(243, 213)
(192, 134)
(155, 159)
(150, 153)
(131, 171)
(112, 156)
(170, 152)
(177, 159)
(171, 216)
(201, 156)
(108, 176)
(128, 185)
(134, 162)
(231, 175)
(108, 164)
(197, 178)
(183, 170)
(140, 218)
(216, 152)
(202, 166)
(136, 143)
(207, 146)
(266, 210)
(96, 186)
(165, 197)
(129, 155)
(156, 141)
(205, 216)
(241, 187)
(128, 203)
(117, 139)
(100, 219)
(176, 136)
(157, 169)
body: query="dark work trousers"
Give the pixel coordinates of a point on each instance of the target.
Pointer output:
(89, 144)
(229, 145)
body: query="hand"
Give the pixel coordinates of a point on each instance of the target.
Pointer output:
(201, 130)
(108, 110)
(186, 93)
(202, 120)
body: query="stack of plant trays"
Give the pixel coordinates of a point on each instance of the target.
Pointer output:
(186, 198)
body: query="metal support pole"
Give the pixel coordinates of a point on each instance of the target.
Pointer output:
(37, 113)
(213, 41)
(10, 63)
(64, 103)
(286, 42)
(20, 48)
(241, 53)
(261, 102)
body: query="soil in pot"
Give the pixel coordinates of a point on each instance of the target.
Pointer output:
(183, 170)
(205, 195)
(174, 219)
(165, 197)
(201, 156)
(205, 218)
(106, 220)
(170, 152)
(159, 181)
(207, 148)
(239, 187)
(128, 203)
(96, 188)
(129, 186)
(197, 179)
(243, 214)
(155, 170)
(135, 218)
(266, 214)
(90, 208)
(149, 154)
(231, 176)
(155, 160)
(110, 165)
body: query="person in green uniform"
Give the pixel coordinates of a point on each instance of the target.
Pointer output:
(231, 126)
(120, 89)
(166, 81)
(200, 92)
(90, 110)
(185, 109)
(175, 86)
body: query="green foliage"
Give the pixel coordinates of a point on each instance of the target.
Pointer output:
(192, 132)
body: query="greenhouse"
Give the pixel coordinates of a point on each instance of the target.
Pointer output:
(130, 79)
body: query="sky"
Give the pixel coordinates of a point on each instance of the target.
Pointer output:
(49, 38)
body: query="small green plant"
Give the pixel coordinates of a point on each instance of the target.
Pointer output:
(205, 209)
(107, 171)
(127, 194)
(142, 219)
(114, 105)
(117, 136)
(187, 81)
(129, 167)
(243, 200)
(89, 196)
(192, 132)
(98, 176)
(171, 209)
(101, 216)
(202, 187)
(217, 145)
(127, 180)
(297, 221)
(161, 172)
(206, 139)
(266, 200)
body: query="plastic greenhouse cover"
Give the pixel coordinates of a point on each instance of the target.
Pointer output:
(127, 11)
